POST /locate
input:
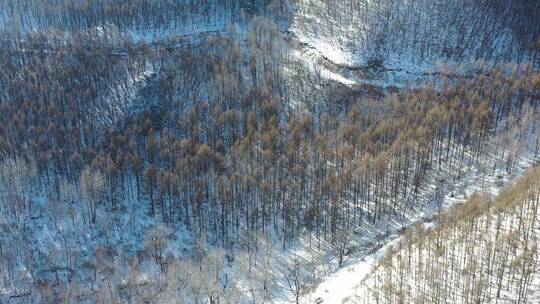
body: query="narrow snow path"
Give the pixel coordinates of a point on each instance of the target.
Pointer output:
(341, 286)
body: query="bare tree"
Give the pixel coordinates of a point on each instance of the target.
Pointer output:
(342, 242)
(298, 278)
(92, 188)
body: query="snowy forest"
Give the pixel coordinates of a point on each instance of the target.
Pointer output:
(269, 151)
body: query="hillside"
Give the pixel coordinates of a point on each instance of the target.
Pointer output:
(484, 251)
(248, 151)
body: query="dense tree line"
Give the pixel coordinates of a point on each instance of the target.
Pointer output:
(142, 16)
(225, 154)
(219, 168)
(55, 98)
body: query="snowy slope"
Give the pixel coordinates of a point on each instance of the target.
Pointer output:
(329, 43)
(346, 285)
(343, 285)
(408, 40)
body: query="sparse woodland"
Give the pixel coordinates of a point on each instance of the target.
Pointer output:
(485, 251)
(143, 171)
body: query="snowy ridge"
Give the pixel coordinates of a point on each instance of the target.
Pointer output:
(408, 41)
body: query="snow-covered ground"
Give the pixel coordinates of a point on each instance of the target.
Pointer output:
(535, 282)
(121, 97)
(342, 284)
